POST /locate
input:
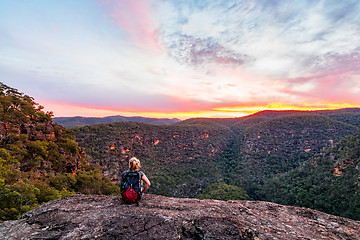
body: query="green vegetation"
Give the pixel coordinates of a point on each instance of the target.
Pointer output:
(19, 108)
(269, 146)
(223, 191)
(39, 161)
(328, 182)
(179, 159)
(349, 116)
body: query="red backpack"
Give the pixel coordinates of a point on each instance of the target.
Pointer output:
(131, 186)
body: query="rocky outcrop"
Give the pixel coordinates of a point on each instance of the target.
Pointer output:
(35, 131)
(158, 217)
(38, 131)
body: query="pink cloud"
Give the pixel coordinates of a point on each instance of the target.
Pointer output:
(335, 79)
(137, 19)
(337, 87)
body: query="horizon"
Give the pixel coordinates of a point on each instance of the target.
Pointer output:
(182, 59)
(210, 117)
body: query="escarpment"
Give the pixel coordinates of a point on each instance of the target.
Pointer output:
(158, 217)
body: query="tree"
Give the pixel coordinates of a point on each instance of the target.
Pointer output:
(223, 191)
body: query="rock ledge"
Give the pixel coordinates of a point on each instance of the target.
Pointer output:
(158, 217)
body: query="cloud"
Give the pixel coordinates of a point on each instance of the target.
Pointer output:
(334, 78)
(199, 52)
(136, 18)
(279, 51)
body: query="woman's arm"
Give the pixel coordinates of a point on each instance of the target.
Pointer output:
(147, 184)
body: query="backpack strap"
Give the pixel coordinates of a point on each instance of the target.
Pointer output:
(140, 194)
(139, 179)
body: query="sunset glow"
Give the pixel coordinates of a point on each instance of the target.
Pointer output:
(182, 59)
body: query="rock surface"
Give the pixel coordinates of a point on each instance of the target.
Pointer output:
(158, 217)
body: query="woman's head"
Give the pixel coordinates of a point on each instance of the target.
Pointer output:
(134, 164)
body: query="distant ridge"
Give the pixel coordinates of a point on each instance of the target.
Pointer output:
(345, 115)
(277, 113)
(72, 122)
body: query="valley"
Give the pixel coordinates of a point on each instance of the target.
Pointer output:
(183, 159)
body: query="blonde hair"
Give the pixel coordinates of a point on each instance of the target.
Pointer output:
(134, 164)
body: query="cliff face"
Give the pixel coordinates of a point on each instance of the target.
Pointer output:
(38, 139)
(158, 217)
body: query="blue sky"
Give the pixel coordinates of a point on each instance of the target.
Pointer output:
(181, 58)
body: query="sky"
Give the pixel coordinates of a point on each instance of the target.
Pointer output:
(181, 58)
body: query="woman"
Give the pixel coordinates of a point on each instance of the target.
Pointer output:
(131, 187)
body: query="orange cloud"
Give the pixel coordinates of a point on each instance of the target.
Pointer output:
(280, 106)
